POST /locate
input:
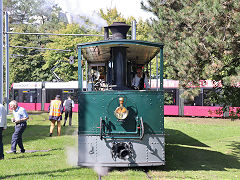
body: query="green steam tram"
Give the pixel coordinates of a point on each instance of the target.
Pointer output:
(117, 125)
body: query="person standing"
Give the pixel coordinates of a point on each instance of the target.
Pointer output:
(68, 104)
(139, 80)
(55, 114)
(20, 118)
(3, 126)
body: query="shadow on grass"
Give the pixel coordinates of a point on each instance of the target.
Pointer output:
(191, 158)
(235, 147)
(187, 158)
(26, 154)
(49, 173)
(35, 132)
(195, 158)
(177, 137)
(29, 156)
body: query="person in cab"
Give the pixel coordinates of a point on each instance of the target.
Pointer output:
(139, 80)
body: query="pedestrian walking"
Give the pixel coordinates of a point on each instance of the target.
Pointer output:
(20, 118)
(55, 114)
(68, 104)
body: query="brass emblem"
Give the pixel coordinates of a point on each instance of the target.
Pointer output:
(121, 112)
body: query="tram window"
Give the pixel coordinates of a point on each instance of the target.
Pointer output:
(16, 94)
(196, 102)
(68, 91)
(207, 93)
(75, 96)
(188, 102)
(170, 96)
(72, 92)
(51, 94)
(29, 96)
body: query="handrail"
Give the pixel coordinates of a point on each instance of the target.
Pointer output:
(142, 134)
(100, 128)
(110, 135)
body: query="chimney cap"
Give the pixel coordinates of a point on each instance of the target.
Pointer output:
(119, 24)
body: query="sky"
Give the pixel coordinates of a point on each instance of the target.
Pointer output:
(89, 7)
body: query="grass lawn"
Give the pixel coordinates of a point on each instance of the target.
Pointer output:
(196, 148)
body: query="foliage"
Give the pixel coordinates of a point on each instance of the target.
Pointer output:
(143, 30)
(31, 11)
(43, 16)
(29, 64)
(26, 64)
(168, 98)
(20, 10)
(30, 16)
(111, 16)
(202, 41)
(67, 72)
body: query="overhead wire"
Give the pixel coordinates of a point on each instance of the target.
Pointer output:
(53, 34)
(68, 50)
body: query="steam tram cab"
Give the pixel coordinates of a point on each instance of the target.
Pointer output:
(119, 126)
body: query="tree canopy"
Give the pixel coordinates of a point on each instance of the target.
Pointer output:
(25, 63)
(201, 37)
(66, 71)
(202, 41)
(31, 11)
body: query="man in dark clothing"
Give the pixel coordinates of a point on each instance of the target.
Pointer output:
(68, 104)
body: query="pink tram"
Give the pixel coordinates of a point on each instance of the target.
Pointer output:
(36, 96)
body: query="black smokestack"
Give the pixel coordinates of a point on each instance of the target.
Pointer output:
(106, 33)
(119, 31)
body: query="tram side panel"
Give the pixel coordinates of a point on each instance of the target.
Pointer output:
(28, 95)
(35, 97)
(137, 140)
(171, 101)
(201, 106)
(64, 89)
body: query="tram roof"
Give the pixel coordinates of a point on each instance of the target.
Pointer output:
(140, 52)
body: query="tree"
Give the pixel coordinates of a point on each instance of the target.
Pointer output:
(20, 10)
(36, 12)
(30, 16)
(143, 30)
(67, 72)
(112, 15)
(202, 41)
(26, 64)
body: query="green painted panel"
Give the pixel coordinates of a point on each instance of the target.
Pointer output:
(145, 104)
